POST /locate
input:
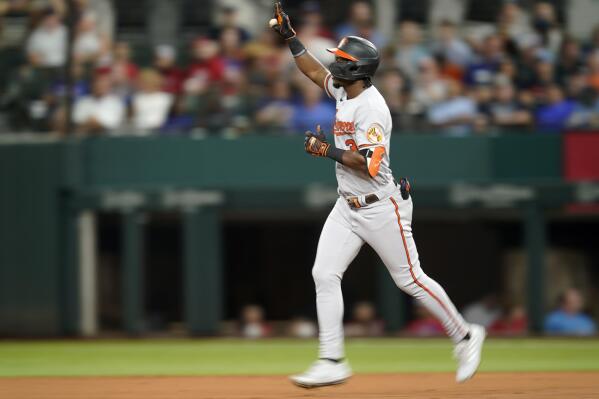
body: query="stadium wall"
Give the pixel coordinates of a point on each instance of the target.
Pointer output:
(46, 185)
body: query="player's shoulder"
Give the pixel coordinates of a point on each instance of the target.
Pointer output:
(373, 102)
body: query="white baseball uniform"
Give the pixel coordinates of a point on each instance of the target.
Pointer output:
(364, 122)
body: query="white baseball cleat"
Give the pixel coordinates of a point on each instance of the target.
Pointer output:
(468, 353)
(323, 373)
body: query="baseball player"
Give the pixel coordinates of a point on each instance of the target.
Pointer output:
(372, 208)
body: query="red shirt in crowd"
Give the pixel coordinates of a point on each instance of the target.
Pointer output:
(207, 71)
(172, 79)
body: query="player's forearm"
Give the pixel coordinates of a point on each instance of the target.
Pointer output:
(351, 159)
(354, 160)
(306, 62)
(316, 145)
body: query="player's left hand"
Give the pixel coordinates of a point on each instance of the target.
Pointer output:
(316, 143)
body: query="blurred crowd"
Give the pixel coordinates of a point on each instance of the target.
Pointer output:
(568, 318)
(525, 74)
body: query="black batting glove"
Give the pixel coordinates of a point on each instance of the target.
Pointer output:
(405, 188)
(319, 134)
(316, 143)
(283, 26)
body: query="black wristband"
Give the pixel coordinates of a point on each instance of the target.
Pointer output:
(297, 48)
(335, 153)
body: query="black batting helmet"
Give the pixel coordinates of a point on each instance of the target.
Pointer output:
(361, 59)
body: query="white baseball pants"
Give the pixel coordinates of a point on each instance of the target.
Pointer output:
(386, 227)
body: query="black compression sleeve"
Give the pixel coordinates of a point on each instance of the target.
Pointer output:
(297, 48)
(335, 154)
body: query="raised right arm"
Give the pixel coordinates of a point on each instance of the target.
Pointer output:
(305, 61)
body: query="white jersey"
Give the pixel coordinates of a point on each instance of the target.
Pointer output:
(362, 122)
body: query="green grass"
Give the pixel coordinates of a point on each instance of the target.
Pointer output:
(241, 357)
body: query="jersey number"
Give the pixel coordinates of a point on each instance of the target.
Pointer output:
(351, 144)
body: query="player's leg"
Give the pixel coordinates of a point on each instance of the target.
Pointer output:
(337, 247)
(393, 241)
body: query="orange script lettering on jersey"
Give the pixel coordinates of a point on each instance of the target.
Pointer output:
(344, 128)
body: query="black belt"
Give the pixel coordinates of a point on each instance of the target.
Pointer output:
(354, 202)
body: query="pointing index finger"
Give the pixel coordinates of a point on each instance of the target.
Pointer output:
(278, 12)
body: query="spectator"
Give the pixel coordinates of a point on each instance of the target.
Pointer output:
(103, 13)
(424, 324)
(229, 20)
(312, 15)
(577, 85)
(525, 63)
(508, 70)
(88, 45)
(456, 115)
(484, 311)
(207, 69)
(487, 63)
(512, 322)
(301, 327)
(57, 91)
(364, 322)
(450, 47)
(513, 22)
(232, 55)
(568, 319)
(546, 26)
(25, 97)
(483, 97)
(360, 23)
(544, 77)
(275, 113)
(253, 324)
(409, 50)
(231, 46)
(47, 45)
(309, 34)
(593, 43)
(312, 110)
(429, 87)
(264, 59)
(122, 71)
(101, 111)
(80, 84)
(586, 112)
(165, 63)
(593, 67)
(150, 105)
(570, 60)
(239, 106)
(393, 87)
(553, 116)
(505, 110)
(179, 120)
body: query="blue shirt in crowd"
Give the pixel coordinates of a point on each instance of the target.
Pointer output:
(306, 118)
(553, 117)
(560, 322)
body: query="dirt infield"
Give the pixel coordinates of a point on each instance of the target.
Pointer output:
(438, 385)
